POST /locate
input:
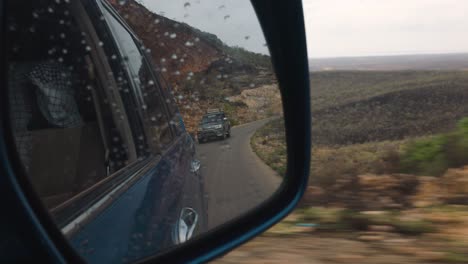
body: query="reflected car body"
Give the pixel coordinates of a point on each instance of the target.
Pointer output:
(146, 206)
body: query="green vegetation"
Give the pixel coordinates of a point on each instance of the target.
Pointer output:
(338, 220)
(434, 155)
(269, 144)
(247, 57)
(360, 107)
(454, 257)
(336, 88)
(232, 109)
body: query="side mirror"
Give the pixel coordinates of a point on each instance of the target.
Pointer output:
(109, 179)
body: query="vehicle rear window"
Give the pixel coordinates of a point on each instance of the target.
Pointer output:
(64, 127)
(151, 105)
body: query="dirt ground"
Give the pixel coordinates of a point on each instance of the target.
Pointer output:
(305, 245)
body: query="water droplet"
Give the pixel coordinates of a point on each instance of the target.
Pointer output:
(101, 43)
(12, 27)
(252, 85)
(164, 70)
(187, 4)
(163, 60)
(177, 73)
(197, 39)
(156, 21)
(190, 73)
(144, 107)
(226, 17)
(122, 2)
(221, 7)
(166, 33)
(62, 35)
(148, 50)
(189, 44)
(219, 76)
(35, 15)
(50, 9)
(246, 37)
(113, 57)
(88, 48)
(174, 57)
(153, 118)
(150, 82)
(173, 35)
(88, 87)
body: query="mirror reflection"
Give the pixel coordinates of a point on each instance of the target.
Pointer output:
(143, 124)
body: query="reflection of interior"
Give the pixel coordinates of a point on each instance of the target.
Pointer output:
(68, 145)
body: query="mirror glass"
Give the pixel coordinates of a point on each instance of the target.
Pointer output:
(143, 124)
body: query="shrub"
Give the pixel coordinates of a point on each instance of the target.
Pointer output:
(425, 156)
(433, 156)
(413, 227)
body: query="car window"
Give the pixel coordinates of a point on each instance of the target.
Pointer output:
(212, 118)
(66, 133)
(151, 105)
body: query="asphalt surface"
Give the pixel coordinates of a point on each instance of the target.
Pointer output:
(236, 180)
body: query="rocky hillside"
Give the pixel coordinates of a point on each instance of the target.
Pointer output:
(200, 68)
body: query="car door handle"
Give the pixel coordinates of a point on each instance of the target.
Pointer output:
(195, 166)
(183, 230)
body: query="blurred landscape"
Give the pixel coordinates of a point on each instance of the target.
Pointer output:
(388, 180)
(421, 62)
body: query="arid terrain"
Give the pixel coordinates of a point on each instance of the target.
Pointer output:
(387, 183)
(200, 69)
(388, 179)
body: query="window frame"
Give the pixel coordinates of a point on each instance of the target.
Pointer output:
(149, 67)
(83, 207)
(87, 204)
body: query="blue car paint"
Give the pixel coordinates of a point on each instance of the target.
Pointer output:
(139, 223)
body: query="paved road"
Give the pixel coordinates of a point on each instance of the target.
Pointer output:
(236, 180)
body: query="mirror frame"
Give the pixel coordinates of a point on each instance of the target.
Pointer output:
(30, 232)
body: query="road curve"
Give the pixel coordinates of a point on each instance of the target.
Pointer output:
(236, 180)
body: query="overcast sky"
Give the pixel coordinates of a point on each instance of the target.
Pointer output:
(369, 27)
(233, 21)
(337, 28)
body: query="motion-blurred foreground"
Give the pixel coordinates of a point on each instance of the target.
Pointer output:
(389, 182)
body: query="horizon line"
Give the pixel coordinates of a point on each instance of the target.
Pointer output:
(390, 55)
